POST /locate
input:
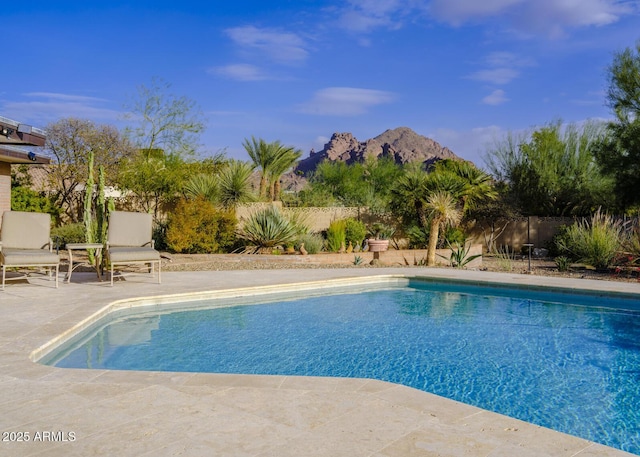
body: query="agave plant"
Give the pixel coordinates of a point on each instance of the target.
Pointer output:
(267, 229)
(460, 257)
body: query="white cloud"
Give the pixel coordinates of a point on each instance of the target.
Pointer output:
(284, 47)
(497, 97)
(45, 107)
(345, 101)
(240, 72)
(550, 17)
(457, 12)
(503, 68)
(364, 16)
(495, 75)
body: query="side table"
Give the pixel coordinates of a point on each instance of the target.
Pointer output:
(97, 248)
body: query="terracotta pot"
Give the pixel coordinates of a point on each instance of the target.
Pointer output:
(378, 245)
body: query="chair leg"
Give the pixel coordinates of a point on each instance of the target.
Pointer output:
(111, 274)
(57, 271)
(4, 269)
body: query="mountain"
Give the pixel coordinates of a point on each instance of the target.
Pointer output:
(402, 144)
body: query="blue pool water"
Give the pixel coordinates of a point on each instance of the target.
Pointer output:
(551, 359)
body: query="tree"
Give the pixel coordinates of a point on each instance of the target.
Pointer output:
(69, 142)
(365, 184)
(443, 210)
(619, 152)
(165, 122)
(167, 134)
(553, 171)
(283, 158)
(272, 159)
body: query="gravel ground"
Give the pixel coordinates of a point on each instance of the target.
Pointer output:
(543, 267)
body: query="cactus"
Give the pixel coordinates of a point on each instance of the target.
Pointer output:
(87, 217)
(101, 213)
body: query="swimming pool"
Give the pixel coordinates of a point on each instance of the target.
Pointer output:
(552, 359)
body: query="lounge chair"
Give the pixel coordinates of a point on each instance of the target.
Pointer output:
(25, 242)
(129, 241)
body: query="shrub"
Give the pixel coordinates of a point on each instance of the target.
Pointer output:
(558, 244)
(159, 235)
(355, 231)
(336, 235)
(563, 263)
(594, 242)
(269, 228)
(68, 233)
(453, 235)
(312, 242)
(196, 227)
(418, 237)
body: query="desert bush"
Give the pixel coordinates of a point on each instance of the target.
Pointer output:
(336, 235)
(269, 228)
(196, 226)
(418, 237)
(563, 263)
(68, 233)
(355, 231)
(594, 242)
(313, 242)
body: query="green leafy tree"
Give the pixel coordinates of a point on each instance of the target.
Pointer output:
(153, 180)
(166, 135)
(24, 198)
(553, 171)
(619, 152)
(164, 121)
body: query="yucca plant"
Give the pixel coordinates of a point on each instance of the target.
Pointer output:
(267, 229)
(595, 242)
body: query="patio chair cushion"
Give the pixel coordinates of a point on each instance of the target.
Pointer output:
(133, 254)
(129, 228)
(28, 257)
(25, 230)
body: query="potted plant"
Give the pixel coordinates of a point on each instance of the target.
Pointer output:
(379, 237)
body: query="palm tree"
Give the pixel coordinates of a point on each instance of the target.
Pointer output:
(443, 209)
(260, 154)
(273, 159)
(477, 186)
(283, 158)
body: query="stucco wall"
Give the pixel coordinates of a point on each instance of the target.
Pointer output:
(5, 187)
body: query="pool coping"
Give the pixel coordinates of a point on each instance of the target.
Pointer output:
(205, 414)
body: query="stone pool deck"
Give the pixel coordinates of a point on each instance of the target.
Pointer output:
(70, 412)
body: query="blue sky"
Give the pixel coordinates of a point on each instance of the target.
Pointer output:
(463, 72)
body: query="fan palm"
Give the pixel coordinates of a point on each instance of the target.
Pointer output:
(283, 158)
(260, 153)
